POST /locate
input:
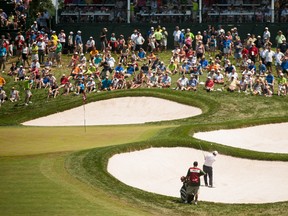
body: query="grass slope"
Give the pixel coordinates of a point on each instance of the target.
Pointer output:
(40, 174)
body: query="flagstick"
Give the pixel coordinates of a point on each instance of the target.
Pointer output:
(84, 102)
(84, 117)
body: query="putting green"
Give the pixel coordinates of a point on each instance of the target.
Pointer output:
(40, 140)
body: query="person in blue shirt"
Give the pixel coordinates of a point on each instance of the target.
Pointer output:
(270, 81)
(252, 67)
(106, 84)
(204, 63)
(3, 54)
(79, 42)
(141, 55)
(80, 87)
(119, 68)
(227, 46)
(284, 65)
(262, 68)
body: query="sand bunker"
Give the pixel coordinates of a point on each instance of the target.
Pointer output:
(125, 110)
(263, 138)
(158, 170)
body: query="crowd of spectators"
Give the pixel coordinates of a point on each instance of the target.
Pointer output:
(175, 11)
(16, 18)
(213, 60)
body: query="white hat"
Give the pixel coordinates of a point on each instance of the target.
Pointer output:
(71, 32)
(215, 153)
(79, 32)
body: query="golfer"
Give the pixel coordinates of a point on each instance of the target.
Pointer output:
(193, 183)
(208, 169)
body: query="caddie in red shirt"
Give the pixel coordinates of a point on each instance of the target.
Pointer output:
(193, 177)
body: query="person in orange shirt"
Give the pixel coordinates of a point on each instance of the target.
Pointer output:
(2, 81)
(214, 66)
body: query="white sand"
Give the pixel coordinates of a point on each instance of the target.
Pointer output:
(263, 138)
(159, 170)
(125, 110)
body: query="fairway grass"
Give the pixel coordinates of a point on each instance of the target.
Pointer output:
(40, 185)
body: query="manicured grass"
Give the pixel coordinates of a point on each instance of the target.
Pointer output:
(40, 140)
(42, 171)
(40, 185)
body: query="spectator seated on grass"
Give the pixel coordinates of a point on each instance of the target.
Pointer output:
(282, 85)
(218, 77)
(243, 84)
(2, 81)
(119, 81)
(3, 96)
(14, 95)
(106, 84)
(233, 84)
(165, 81)
(53, 90)
(182, 83)
(209, 84)
(139, 80)
(257, 87)
(90, 85)
(192, 83)
(153, 81)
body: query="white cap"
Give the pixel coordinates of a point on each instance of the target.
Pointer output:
(79, 32)
(215, 153)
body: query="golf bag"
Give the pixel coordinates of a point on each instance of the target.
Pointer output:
(183, 194)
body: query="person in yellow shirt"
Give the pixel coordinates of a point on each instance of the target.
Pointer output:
(54, 37)
(93, 53)
(282, 85)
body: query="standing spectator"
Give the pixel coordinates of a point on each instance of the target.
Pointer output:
(28, 86)
(19, 41)
(164, 39)
(58, 53)
(113, 43)
(278, 58)
(208, 169)
(193, 185)
(70, 43)
(90, 44)
(41, 50)
(25, 53)
(266, 35)
(253, 52)
(34, 52)
(279, 38)
(269, 58)
(139, 41)
(103, 39)
(176, 36)
(3, 54)
(227, 44)
(78, 42)
(62, 38)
